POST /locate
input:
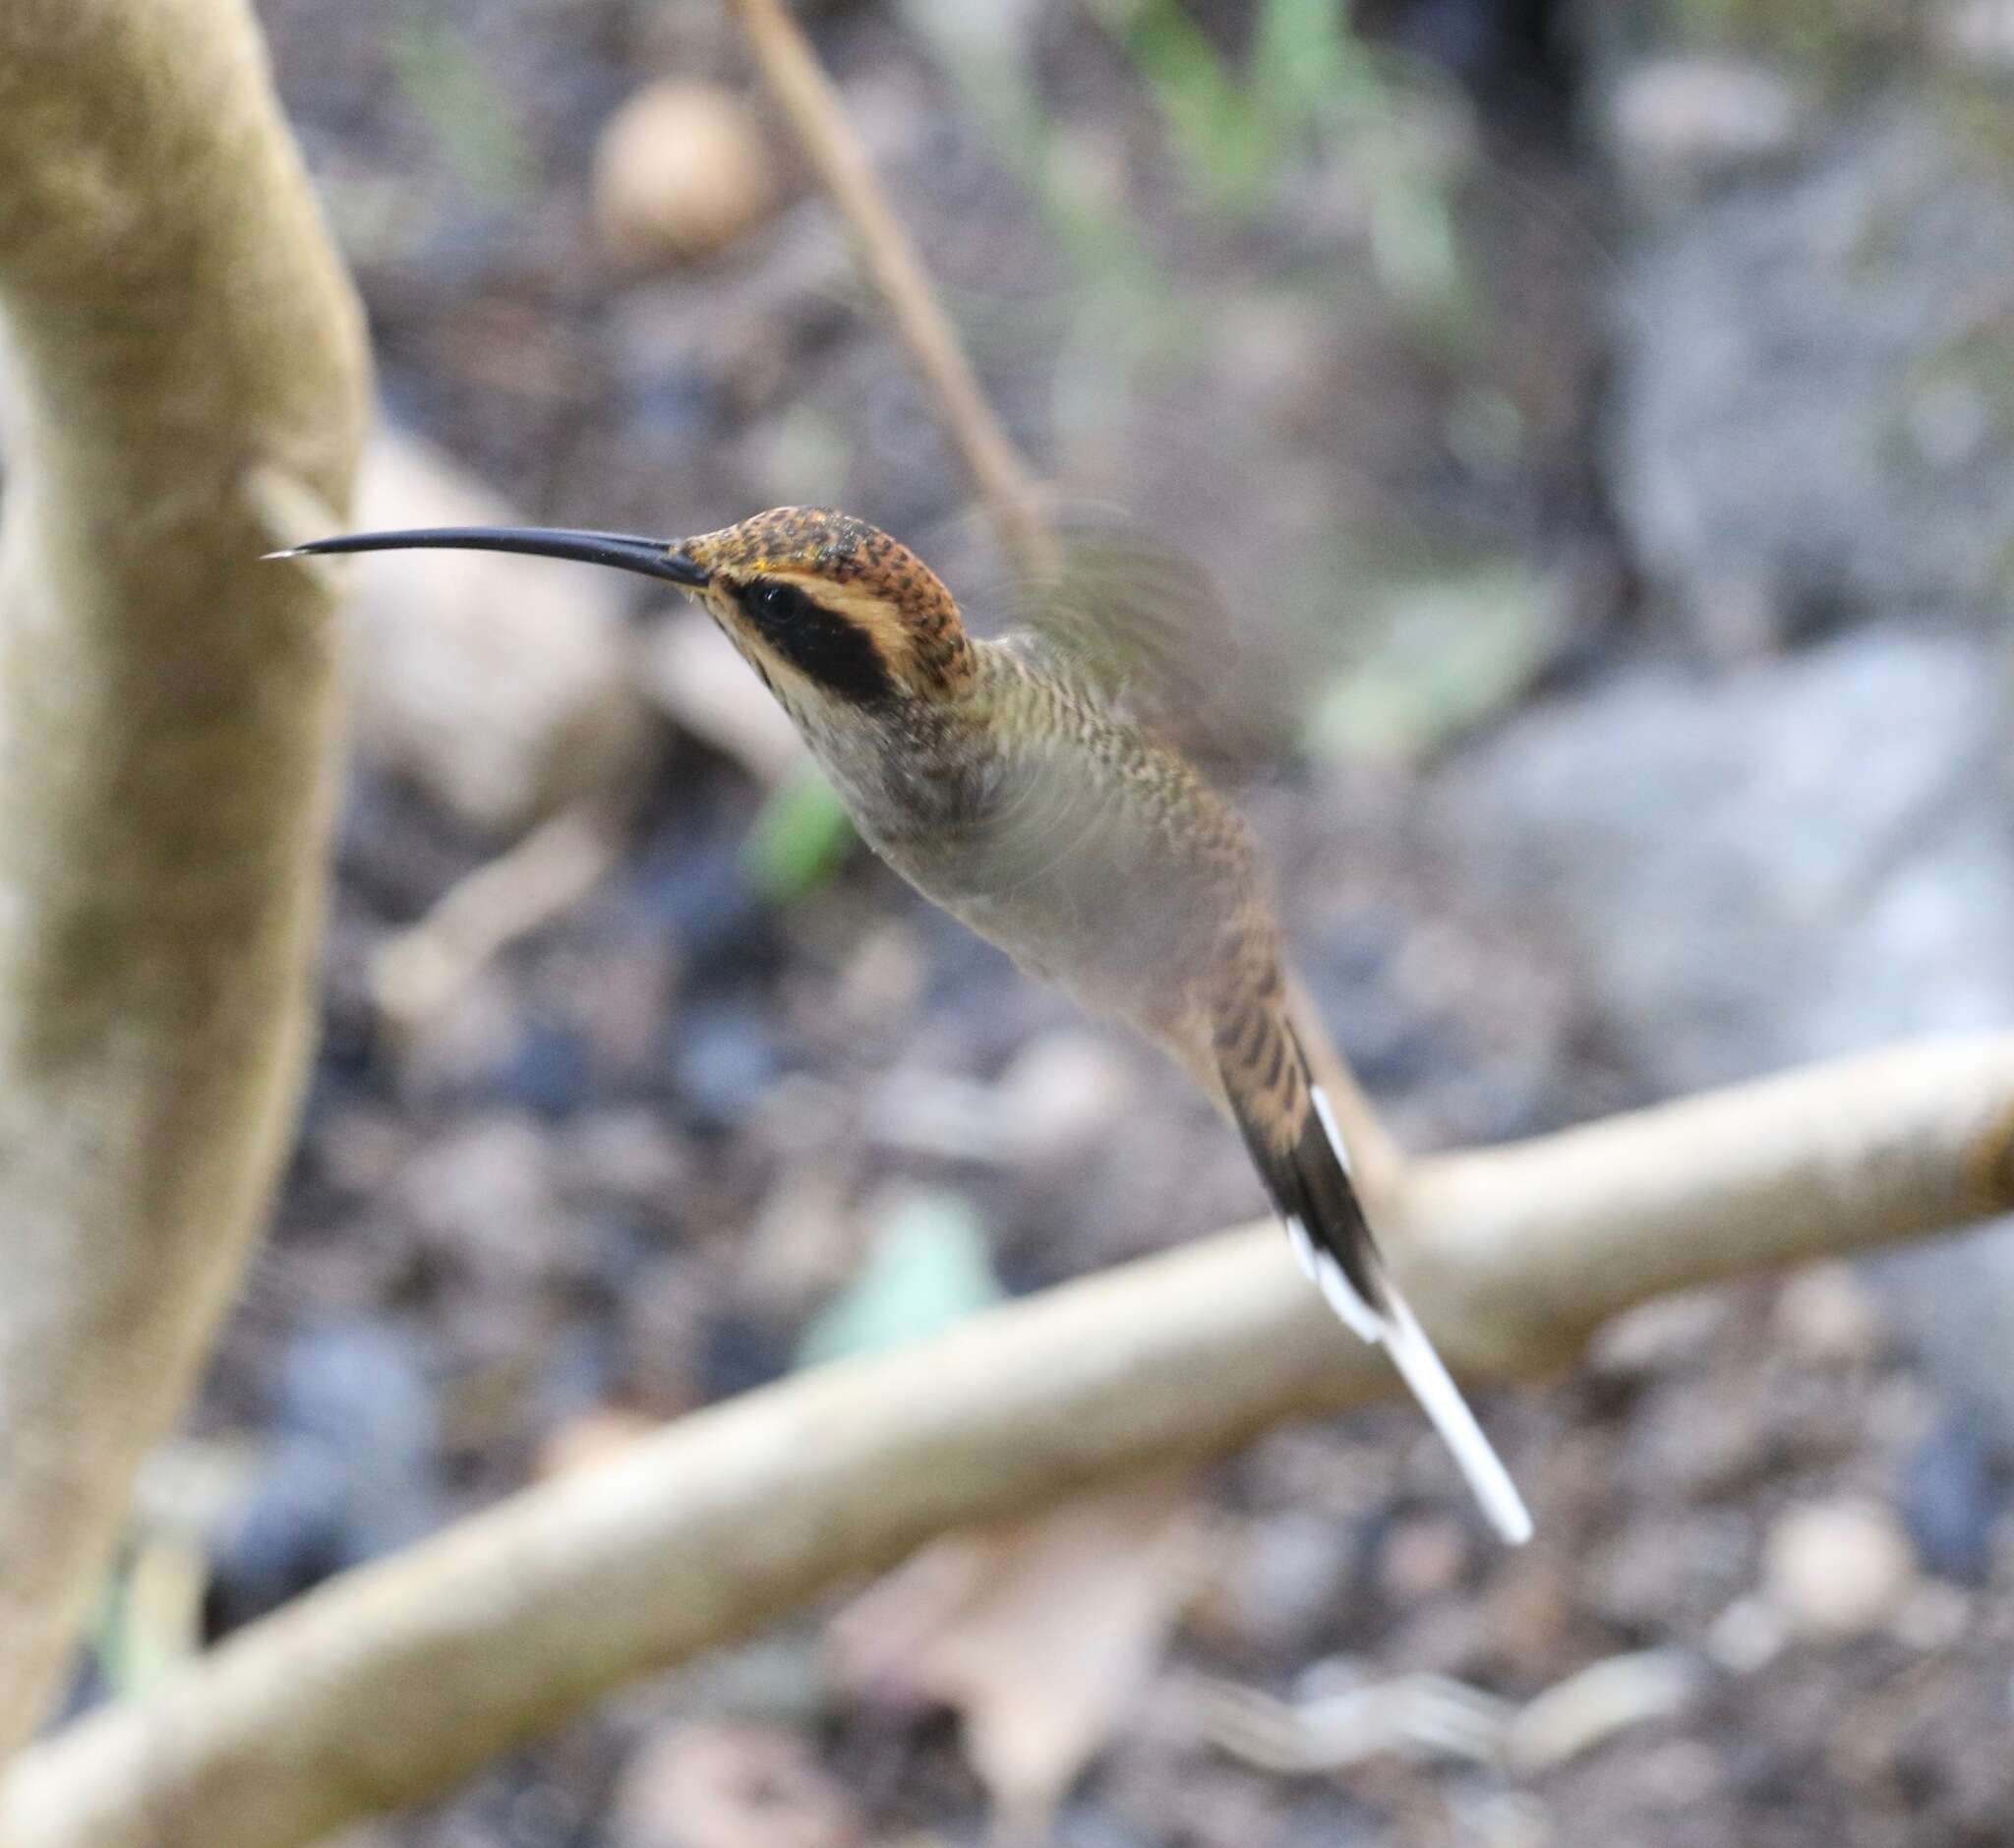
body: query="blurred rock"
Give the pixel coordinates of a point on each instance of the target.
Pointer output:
(1934, 1618)
(686, 357)
(1667, 1335)
(883, 981)
(361, 1147)
(731, 1786)
(481, 1196)
(349, 1475)
(683, 170)
(1975, 33)
(724, 1058)
(616, 993)
(1680, 122)
(629, 1154)
(549, 1070)
(1422, 1556)
(1747, 1635)
(468, 1042)
(1063, 1093)
(667, 1316)
(1953, 1492)
(937, 1114)
(803, 1242)
(1829, 1314)
(1656, 1575)
(698, 893)
(1706, 1441)
(1525, 1615)
(1838, 1569)
(1282, 1580)
(1809, 412)
(1802, 859)
(501, 686)
(1505, 1819)
(1776, 828)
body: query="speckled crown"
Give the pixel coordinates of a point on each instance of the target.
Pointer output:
(920, 617)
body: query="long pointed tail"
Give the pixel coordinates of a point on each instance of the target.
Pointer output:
(1311, 1187)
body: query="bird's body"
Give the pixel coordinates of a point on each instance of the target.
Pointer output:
(1102, 861)
(1090, 852)
(1009, 782)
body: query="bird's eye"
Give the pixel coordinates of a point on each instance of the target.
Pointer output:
(772, 603)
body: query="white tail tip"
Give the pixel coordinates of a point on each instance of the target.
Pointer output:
(1412, 1353)
(1398, 1332)
(1431, 1385)
(1341, 1294)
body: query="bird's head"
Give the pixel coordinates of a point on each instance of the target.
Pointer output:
(828, 608)
(831, 612)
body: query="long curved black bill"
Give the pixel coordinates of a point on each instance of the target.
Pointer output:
(654, 557)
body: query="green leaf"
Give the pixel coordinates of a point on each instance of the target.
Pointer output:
(1455, 650)
(799, 838)
(930, 1265)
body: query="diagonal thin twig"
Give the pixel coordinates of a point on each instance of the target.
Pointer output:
(1005, 481)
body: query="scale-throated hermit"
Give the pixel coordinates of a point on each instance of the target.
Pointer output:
(1007, 781)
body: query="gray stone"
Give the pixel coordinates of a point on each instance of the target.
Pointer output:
(1798, 860)
(1838, 1569)
(1813, 420)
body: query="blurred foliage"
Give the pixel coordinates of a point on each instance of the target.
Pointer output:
(470, 115)
(1310, 97)
(799, 838)
(1826, 36)
(1454, 648)
(1310, 86)
(930, 1265)
(150, 1614)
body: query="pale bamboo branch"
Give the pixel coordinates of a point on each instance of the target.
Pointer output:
(1005, 481)
(392, 1682)
(186, 377)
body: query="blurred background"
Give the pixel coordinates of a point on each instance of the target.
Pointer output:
(1601, 421)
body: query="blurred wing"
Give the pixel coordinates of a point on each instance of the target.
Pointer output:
(1147, 625)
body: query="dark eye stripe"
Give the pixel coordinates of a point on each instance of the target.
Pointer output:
(820, 643)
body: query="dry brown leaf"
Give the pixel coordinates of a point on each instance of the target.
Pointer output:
(1039, 1634)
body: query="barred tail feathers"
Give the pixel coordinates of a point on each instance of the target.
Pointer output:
(1312, 1190)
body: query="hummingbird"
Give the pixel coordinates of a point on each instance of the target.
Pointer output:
(1011, 782)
